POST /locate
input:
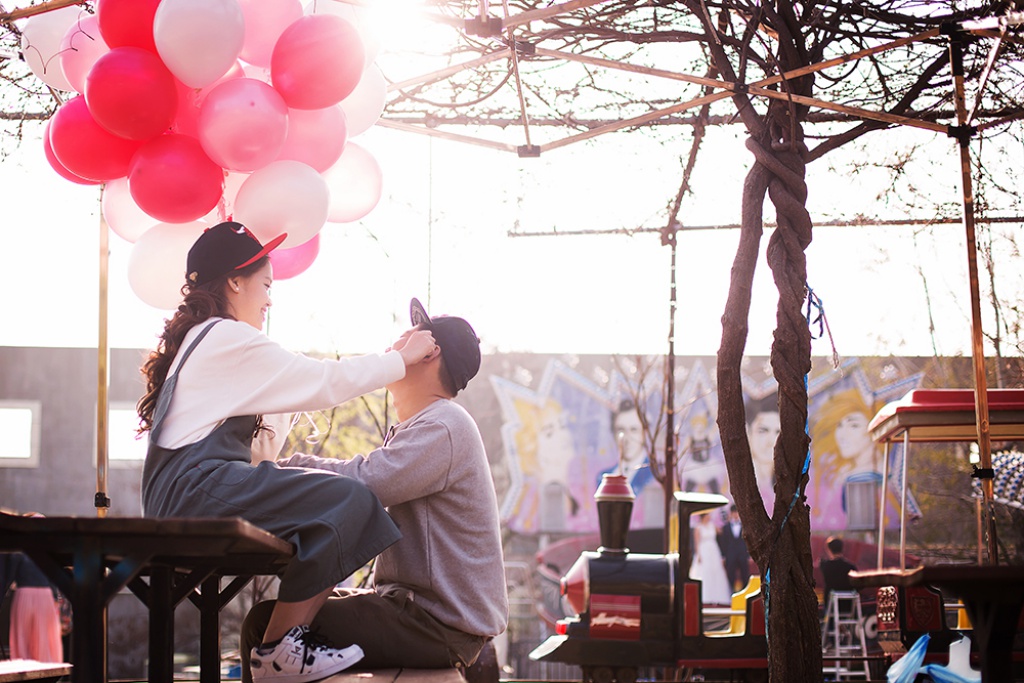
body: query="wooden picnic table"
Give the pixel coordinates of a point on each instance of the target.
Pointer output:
(993, 596)
(91, 559)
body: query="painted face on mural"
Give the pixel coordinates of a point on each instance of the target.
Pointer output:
(629, 435)
(764, 431)
(554, 447)
(852, 437)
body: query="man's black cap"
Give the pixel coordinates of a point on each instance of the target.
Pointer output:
(459, 344)
(223, 248)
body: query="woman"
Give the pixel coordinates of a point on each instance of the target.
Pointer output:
(210, 381)
(707, 565)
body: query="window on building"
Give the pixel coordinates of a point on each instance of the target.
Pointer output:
(20, 427)
(123, 448)
(862, 505)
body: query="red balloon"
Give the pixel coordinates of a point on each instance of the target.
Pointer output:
(127, 23)
(290, 262)
(131, 93)
(59, 167)
(173, 180)
(84, 147)
(317, 62)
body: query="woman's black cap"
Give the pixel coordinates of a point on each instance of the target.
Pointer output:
(223, 248)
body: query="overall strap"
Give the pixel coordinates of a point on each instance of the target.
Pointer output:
(163, 401)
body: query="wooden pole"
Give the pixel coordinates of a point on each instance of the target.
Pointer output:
(672, 234)
(963, 135)
(101, 500)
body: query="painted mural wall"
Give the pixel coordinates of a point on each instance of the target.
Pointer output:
(561, 432)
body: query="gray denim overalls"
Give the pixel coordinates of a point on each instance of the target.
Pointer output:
(335, 522)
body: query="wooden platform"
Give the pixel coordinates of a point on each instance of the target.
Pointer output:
(13, 670)
(398, 676)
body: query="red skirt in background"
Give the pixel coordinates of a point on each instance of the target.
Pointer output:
(35, 626)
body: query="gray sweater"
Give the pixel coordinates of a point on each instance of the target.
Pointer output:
(433, 477)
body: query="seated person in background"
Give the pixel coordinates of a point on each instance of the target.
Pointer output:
(439, 593)
(836, 568)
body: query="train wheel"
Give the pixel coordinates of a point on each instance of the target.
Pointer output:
(601, 674)
(625, 674)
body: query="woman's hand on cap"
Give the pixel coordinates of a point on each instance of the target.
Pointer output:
(415, 346)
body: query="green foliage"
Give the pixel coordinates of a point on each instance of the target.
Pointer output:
(355, 427)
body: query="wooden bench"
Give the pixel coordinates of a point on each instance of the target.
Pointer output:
(91, 559)
(13, 670)
(398, 676)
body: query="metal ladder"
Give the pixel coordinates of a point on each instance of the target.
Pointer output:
(842, 633)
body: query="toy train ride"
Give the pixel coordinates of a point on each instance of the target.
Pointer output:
(636, 610)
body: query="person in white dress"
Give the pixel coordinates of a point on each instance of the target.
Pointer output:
(707, 565)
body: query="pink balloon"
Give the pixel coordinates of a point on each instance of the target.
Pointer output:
(84, 147)
(131, 93)
(186, 120)
(127, 23)
(81, 46)
(264, 22)
(291, 262)
(355, 184)
(316, 137)
(59, 167)
(243, 124)
(317, 62)
(173, 180)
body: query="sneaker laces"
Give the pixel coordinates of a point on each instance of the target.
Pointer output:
(313, 640)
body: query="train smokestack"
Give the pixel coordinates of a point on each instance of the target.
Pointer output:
(614, 506)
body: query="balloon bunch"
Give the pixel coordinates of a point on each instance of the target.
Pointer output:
(196, 111)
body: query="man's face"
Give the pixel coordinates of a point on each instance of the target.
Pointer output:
(629, 435)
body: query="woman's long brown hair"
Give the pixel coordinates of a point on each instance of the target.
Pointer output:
(201, 303)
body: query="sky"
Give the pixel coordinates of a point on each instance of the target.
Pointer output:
(443, 232)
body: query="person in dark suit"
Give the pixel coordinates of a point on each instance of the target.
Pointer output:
(835, 569)
(734, 551)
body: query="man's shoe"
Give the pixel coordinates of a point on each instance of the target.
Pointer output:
(301, 657)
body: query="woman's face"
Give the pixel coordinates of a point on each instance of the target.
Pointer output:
(249, 297)
(852, 435)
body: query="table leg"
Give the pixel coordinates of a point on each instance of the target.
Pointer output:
(161, 625)
(209, 629)
(89, 633)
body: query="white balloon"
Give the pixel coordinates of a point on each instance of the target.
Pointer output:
(121, 212)
(366, 103)
(40, 44)
(199, 40)
(156, 265)
(283, 196)
(355, 183)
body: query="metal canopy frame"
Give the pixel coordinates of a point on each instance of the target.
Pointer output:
(943, 416)
(997, 28)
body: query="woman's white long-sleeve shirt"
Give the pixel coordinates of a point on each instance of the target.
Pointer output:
(237, 370)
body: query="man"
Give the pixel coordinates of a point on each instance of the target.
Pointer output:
(734, 551)
(439, 593)
(835, 568)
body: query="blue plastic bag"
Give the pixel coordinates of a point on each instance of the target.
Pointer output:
(907, 667)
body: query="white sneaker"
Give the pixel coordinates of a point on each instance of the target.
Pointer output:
(301, 657)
